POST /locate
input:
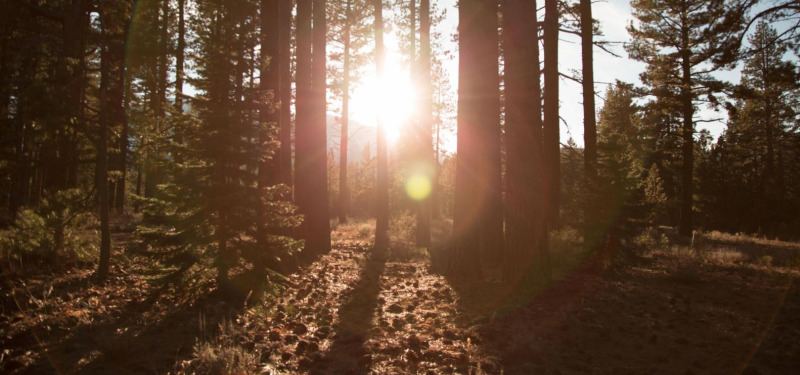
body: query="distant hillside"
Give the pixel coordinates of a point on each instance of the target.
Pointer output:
(361, 135)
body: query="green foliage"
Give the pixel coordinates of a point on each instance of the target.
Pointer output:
(754, 160)
(183, 214)
(566, 247)
(57, 231)
(573, 186)
(654, 196)
(651, 240)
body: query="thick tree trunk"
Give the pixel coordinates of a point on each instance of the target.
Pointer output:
(425, 120)
(382, 183)
(319, 237)
(303, 111)
(311, 174)
(552, 148)
(592, 228)
(477, 220)
(344, 191)
(285, 135)
(526, 255)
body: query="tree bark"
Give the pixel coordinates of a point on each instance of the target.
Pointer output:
(303, 111)
(179, 57)
(591, 236)
(477, 220)
(685, 227)
(382, 183)
(101, 178)
(269, 117)
(425, 120)
(319, 238)
(526, 255)
(285, 135)
(552, 148)
(344, 192)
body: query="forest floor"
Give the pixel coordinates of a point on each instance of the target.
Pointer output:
(720, 304)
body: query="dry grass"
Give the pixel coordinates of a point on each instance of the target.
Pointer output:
(720, 248)
(356, 229)
(223, 355)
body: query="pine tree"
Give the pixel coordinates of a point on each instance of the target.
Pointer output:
(682, 42)
(654, 195)
(478, 220)
(769, 83)
(285, 71)
(591, 232)
(382, 182)
(425, 120)
(620, 154)
(311, 150)
(526, 252)
(551, 138)
(351, 27)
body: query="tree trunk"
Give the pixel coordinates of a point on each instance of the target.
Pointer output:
(425, 120)
(285, 135)
(319, 238)
(526, 255)
(552, 148)
(303, 113)
(269, 117)
(125, 93)
(382, 183)
(179, 56)
(101, 178)
(344, 192)
(591, 235)
(685, 227)
(477, 220)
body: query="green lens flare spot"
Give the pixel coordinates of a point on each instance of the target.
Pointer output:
(418, 187)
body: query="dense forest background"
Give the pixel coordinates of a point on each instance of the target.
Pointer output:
(219, 133)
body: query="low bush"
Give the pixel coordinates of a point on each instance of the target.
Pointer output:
(59, 230)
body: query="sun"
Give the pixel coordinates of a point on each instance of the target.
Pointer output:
(392, 96)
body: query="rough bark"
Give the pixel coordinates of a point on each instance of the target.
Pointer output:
(552, 148)
(344, 191)
(101, 171)
(477, 220)
(425, 119)
(285, 135)
(526, 254)
(320, 235)
(685, 225)
(382, 183)
(303, 110)
(590, 235)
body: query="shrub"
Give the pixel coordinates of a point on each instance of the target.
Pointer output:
(57, 231)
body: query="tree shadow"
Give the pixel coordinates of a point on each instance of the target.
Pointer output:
(129, 344)
(347, 354)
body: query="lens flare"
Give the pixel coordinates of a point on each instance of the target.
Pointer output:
(418, 187)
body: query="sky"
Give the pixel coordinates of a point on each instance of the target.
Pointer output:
(614, 16)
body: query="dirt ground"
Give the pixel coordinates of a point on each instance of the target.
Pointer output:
(728, 307)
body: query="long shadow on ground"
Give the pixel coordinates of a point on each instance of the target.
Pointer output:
(141, 347)
(347, 353)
